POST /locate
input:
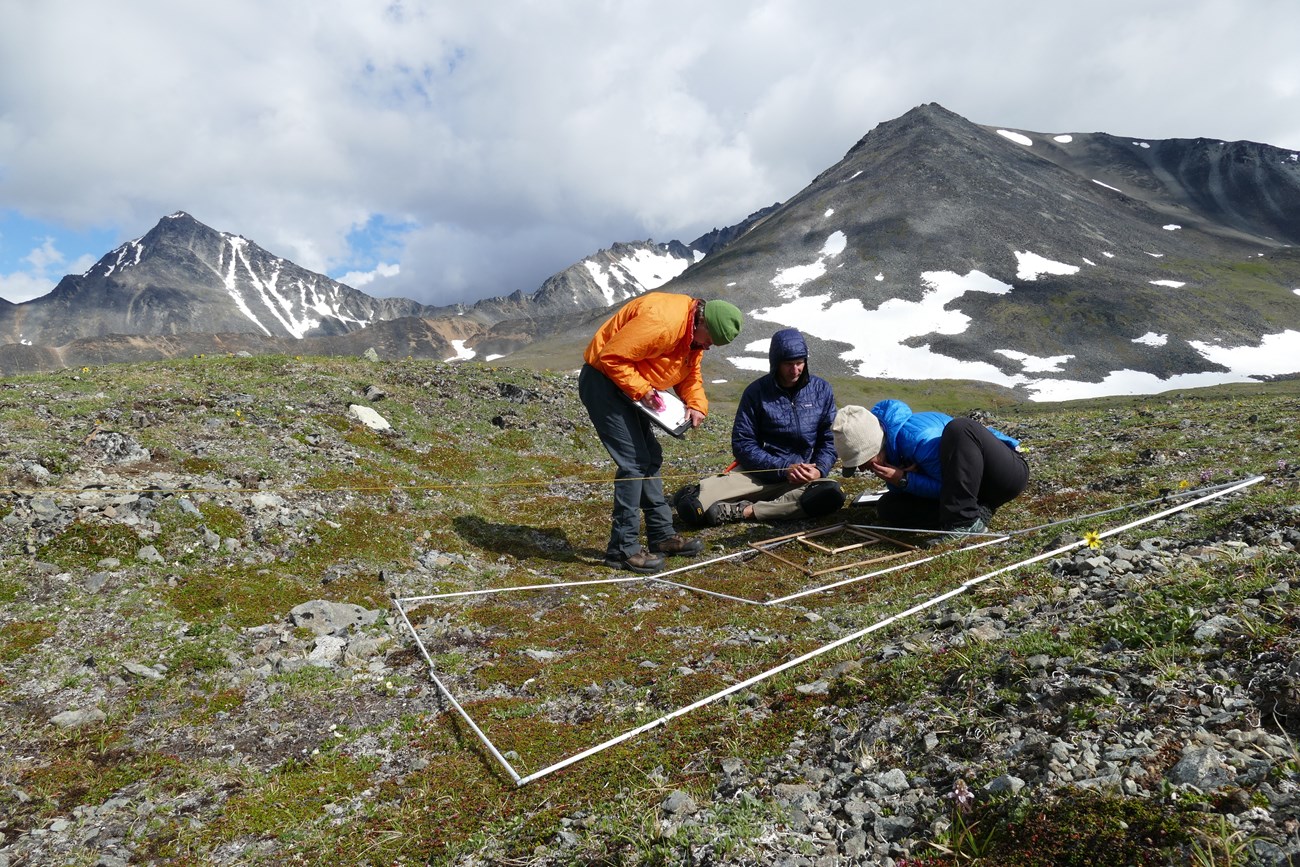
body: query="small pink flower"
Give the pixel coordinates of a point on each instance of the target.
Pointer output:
(961, 795)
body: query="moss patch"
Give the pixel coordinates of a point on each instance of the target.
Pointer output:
(18, 637)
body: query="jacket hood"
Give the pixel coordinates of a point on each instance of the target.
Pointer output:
(893, 414)
(786, 344)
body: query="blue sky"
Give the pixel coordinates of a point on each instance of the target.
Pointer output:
(447, 151)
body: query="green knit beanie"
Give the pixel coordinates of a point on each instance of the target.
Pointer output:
(723, 319)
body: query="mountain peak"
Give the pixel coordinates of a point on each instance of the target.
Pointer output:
(923, 120)
(184, 277)
(1053, 264)
(180, 224)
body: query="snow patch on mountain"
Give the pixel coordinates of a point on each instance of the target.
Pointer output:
(652, 269)
(231, 279)
(878, 336)
(788, 280)
(463, 353)
(299, 307)
(126, 255)
(1030, 265)
(634, 274)
(1035, 364)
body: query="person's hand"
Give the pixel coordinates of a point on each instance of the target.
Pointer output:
(803, 473)
(889, 473)
(653, 401)
(696, 417)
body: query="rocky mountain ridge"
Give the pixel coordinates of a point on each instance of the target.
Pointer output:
(939, 248)
(185, 289)
(1053, 265)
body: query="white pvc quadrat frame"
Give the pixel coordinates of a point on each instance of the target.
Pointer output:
(401, 603)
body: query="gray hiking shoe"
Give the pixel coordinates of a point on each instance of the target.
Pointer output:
(726, 513)
(958, 533)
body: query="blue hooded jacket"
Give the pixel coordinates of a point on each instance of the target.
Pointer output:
(913, 438)
(776, 427)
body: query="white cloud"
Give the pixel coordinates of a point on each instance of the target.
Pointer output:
(23, 286)
(46, 265)
(480, 126)
(44, 256)
(357, 279)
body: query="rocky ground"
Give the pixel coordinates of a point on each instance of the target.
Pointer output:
(201, 660)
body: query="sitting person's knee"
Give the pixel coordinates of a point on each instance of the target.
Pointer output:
(821, 498)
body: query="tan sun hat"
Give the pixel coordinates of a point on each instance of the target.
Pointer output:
(857, 435)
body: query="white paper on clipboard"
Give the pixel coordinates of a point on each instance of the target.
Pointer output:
(866, 498)
(672, 417)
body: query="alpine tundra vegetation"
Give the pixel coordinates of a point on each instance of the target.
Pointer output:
(201, 661)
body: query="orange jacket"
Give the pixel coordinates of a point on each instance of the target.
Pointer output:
(647, 344)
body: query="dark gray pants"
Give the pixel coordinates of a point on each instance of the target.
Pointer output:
(626, 434)
(980, 473)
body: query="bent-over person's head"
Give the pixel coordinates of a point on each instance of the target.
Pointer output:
(717, 323)
(858, 438)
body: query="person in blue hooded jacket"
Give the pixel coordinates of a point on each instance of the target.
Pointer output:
(942, 472)
(782, 442)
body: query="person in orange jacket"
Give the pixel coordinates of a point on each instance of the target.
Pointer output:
(655, 341)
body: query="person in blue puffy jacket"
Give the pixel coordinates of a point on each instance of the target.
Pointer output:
(782, 442)
(943, 473)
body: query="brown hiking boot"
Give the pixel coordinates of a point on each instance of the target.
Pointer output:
(677, 544)
(641, 561)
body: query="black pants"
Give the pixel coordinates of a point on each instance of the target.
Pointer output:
(980, 473)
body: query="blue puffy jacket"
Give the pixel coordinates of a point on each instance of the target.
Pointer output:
(777, 427)
(913, 438)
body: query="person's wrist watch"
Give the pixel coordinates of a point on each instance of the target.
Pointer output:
(902, 479)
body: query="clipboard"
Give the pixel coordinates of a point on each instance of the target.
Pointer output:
(866, 498)
(672, 417)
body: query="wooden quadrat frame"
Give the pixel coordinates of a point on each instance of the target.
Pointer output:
(866, 539)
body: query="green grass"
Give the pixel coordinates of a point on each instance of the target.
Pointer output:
(1077, 828)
